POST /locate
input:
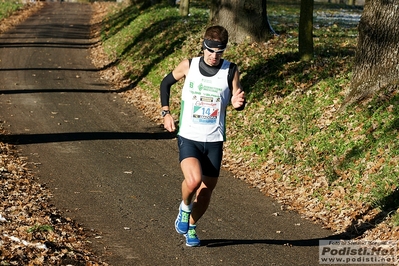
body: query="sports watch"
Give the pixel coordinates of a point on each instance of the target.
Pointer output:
(165, 112)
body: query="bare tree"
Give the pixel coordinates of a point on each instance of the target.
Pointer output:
(184, 7)
(306, 30)
(352, 2)
(245, 20)
(376, 65)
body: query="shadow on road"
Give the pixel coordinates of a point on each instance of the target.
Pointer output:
(314, 242)
(21, 139)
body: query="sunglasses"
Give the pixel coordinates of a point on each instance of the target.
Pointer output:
(213, 51)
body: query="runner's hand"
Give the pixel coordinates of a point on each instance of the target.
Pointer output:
(169, 123)
(238, 99)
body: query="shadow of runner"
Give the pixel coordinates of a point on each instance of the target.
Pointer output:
(212, 243)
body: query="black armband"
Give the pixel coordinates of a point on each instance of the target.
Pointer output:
(166, 83)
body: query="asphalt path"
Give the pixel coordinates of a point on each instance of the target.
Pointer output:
(115, 172)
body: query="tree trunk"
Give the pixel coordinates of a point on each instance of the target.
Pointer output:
(376, 65)
(184, 7)
(351, 2)
(306, 30)
(246, 20)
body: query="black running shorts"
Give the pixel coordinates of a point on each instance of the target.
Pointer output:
(208, 153)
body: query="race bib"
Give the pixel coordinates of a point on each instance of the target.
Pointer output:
(206, 110)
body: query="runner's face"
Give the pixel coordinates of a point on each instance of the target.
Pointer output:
(212, 56)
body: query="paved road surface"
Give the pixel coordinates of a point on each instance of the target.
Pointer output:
(114, 171)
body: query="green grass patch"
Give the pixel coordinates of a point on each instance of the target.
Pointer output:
(40, 228)
(7, 8)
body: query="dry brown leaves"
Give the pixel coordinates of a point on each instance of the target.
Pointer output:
(33, 232)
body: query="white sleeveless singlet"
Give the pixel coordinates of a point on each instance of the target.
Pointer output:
(204, 103)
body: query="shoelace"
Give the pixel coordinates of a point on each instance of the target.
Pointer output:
(185, 216)
(192, 233)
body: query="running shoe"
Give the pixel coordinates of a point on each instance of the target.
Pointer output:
(192, 239)
(182, 221)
